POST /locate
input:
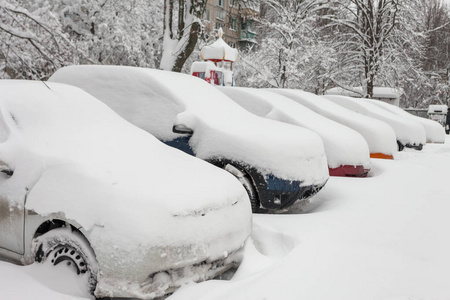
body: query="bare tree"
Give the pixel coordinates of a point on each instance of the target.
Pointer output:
(290, 52)
(437, 55)
(375, 37)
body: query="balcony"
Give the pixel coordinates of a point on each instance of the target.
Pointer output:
(251, 6)
(247, 36)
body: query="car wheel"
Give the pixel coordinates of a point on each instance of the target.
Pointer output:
(246, 181)
(69, 249)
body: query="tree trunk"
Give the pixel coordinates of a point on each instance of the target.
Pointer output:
(184, 55)
(182, 37)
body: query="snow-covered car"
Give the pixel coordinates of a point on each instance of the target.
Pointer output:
(347, 151)
(84, 189)
(434, 131)
(409, 133)
(280, 165)
(379, 136)
(438, 113)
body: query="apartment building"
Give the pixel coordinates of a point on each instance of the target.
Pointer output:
(235, 17)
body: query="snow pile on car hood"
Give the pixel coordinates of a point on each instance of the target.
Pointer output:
(435, 133)
(113, 178)
(156, 100)
(379, 136)
(407, 131)
(343, 146)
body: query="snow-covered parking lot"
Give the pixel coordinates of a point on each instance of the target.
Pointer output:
(384, 237)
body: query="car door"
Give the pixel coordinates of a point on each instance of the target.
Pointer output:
(12, 217)
(181, 142)
(12, 201)
(21, 166)
(14, 185)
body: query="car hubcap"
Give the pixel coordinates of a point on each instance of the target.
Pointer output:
(70, 257)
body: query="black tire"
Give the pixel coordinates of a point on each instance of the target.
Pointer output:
(251, 194)
(64, 246)
(247, 182)
(400, 146)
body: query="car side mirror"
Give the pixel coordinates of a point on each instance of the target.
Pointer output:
(4, 168)
(183, 129)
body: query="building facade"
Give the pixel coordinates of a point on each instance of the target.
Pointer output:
(235, 17)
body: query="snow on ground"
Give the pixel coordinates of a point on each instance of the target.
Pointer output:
(384, 237)
(29, 282)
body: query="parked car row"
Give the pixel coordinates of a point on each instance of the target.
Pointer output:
(408, 133)
(278, 164)
(433, 130)
(90, 179)
(380, 137)
(346, 150)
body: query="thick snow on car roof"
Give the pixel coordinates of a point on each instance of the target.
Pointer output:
(103, 172)
(379, 136)
(378, 91)
(156, 100)
(434, 131)
(407, 131)
(343, 146)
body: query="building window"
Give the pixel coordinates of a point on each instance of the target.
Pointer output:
(243, 24)
(232, 44)
(250, 26)
(206, 15)
(220, 2)
(219, 25)
(233, 24)
(232, 2)
(220, 14)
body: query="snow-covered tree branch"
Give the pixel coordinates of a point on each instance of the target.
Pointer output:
(32, 44)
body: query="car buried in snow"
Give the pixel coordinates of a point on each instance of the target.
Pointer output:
(434, 131)
(83, 189)
(379, 136)
(347, 151)
(408, 133)
(280, 165)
